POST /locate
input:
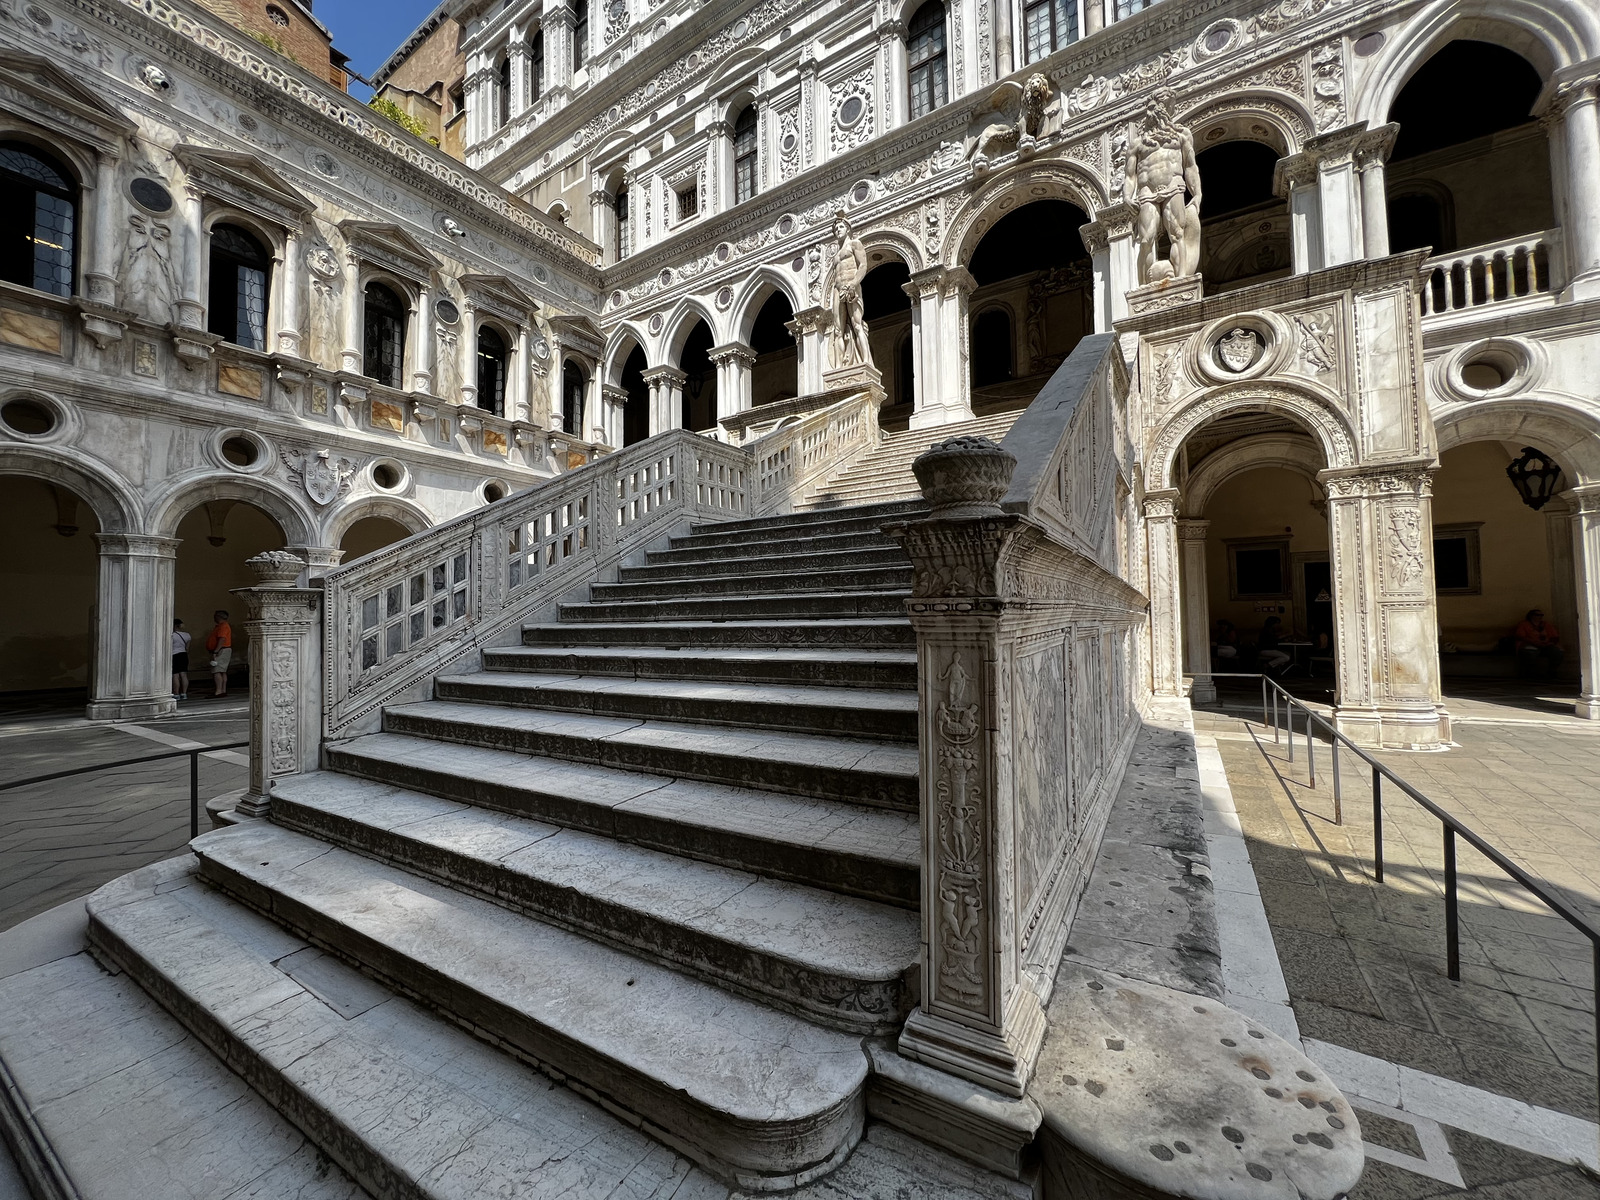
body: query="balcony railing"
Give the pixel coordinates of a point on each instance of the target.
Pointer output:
(1512, 269)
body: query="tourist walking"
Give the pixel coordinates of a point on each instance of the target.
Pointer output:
(220, 642)
(180, 659)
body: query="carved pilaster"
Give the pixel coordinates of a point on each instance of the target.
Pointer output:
(1166, 634)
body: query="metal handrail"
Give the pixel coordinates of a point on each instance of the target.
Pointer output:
(194, 775)
(1452, 826)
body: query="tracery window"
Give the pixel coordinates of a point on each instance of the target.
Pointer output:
(1050, 25)
(240, 268)
(384, 327)
(744, 155)
(492, 358)
(38, 220)
(925, 58)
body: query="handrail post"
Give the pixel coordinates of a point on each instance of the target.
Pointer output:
(1311, 752)
(1274, 711)
(194, 794)
(1377, 823)
(1452, 916)
(1263, 699)
(1338, 798)
(1288, 719)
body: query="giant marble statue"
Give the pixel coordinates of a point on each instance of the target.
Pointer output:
(1163, 182)
(847, 338)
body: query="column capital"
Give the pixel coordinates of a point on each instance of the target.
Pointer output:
(1584, 498)
(730, 352)
(664, 374)
(138, 545)
(719, 129)
(1294, 171)
(1375, 146)
(1161, 505)
(1406, 477)
(614, 394)
(891, 29)
(1192, 529)
(1111, 223)
(1582, 86)
(810, 320)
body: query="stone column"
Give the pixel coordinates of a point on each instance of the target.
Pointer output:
(1295, 179)
(1196, 609)
(517, 403)
(1109, 240)
(734, 391)
(353, 358)
(719, 152)
(517, 54)
(1339, 200)
(1386, 625)
(1371, 154)
(100, 277)
(1585, 500)
(893, 71)
(613, 400)
(666, 398)
(191, 305)
(949, 398)
(467, 349)
(131, 672)
(291, 285)
(284, 624)
(423, 344)
(558, 22)
(601, 217)
(1166, 630)
(1575, 102)
(923, 289)
(1094, 16)
(808, 329)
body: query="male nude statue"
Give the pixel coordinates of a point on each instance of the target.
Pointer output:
(848, 344)
(1160, 169)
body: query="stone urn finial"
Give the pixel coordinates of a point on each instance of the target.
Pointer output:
(965, 477)
(276, 568)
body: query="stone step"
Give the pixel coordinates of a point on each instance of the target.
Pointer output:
(801, 521)
(838, 668)
(800, 525)
(764, 564)
(852, 579)
(877, 774)
(855, 712)
(838, 960)
(861, 633)
(871, 539)
(869, 852)
(415, 1109)
(782, 605)
(848, 494)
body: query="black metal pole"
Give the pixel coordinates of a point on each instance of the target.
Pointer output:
(1263, 699)
(1377, 823)
(1452, 916)
(1338, 798)
(1311, 752)
(1274, 713)
(1288, 719)
(194, 794)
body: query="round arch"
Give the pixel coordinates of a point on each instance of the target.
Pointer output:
(1285, 451)
(76, 158)
(1562, 428)
(757, 290)
(897, 243)
(182, 496)
(1271, 118)
(395, 508)
(1550, 34)
(1010, 189)
(114, 503)
(1319, 413)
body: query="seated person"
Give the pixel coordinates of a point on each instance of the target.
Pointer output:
(1225, 642)
(1538, 645)
(1272, 659)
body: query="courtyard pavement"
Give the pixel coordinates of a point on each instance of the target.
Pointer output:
(1364, 963)
(64, 839)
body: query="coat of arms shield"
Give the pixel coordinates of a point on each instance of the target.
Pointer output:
(1240, 350)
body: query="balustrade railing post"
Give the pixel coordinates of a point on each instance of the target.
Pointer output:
(1338, 797)
(194, 794)
(1288, 719)
(1263, 699)
(1452, 916)
(1377, 823)
(1311, 752)
(1275, 739)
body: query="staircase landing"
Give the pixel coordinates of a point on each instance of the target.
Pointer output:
(883, 474)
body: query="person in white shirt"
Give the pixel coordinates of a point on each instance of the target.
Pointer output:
(180, 660)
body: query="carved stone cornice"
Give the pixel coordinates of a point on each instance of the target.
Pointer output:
(1403, 478)
(1584, 498)
(1193, 529)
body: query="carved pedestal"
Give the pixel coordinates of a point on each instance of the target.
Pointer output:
(284, 624)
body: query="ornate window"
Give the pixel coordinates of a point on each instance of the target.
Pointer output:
(580, 32)
(384, 326)
(503, 99)
(925, 59)
(688, 201)
(38, 220)
(1126, 8)
(240, 269)
(572, 389)
(1052, 24)
(491, 371)
(536, 66)
(744, 155)
(991, 347)
(619, 205)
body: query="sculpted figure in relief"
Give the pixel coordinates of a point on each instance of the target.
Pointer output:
(1013, 117)
(149, 280)
(1162, 180)
(847, 339)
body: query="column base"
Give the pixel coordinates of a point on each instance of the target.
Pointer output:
(936, 415)
(1001, 1061)
(252, 804)
(1395, 729)
(1203, 690)
(1588, 707)
(145, 708)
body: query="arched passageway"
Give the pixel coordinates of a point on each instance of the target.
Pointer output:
(775, 373)
(1245, 235)
(887, 310)
(636, 409)
(48, 572)
(1033, 302)
(368, 535)
(700, 379)
(1470, 165)
(216, 537)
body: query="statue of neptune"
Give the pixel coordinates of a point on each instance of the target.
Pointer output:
(1160, 170)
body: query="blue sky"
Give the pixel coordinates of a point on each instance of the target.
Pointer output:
(370, 30)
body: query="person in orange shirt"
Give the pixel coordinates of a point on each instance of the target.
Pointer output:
(1538, 643)
(220, 642)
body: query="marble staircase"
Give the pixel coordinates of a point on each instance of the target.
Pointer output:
(666, 850)
(884, 475)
